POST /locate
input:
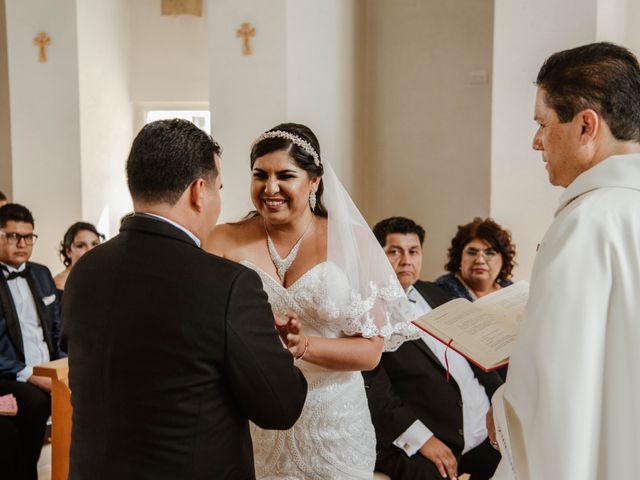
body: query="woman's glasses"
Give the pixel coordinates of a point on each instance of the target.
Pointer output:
(488, 253)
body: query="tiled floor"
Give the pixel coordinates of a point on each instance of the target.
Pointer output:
(44, 465)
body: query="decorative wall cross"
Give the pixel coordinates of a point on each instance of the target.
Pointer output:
(246, 31)
(42, 40)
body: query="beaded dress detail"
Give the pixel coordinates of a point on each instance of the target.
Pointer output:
(334, 437)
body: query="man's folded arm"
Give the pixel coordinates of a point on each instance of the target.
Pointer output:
(10, 368)
(268, 387)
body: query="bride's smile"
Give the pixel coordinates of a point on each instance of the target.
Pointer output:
(280, 189)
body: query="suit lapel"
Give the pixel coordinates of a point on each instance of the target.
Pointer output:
(11, 316)
(430, 296)
(423, 346)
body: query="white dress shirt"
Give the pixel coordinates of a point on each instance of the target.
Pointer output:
(475, 402)
(35, 348)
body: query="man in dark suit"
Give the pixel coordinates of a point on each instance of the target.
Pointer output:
(171, 349)
(429, 418)
(29, 335)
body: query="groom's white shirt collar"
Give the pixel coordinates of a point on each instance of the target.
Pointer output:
(177, 225)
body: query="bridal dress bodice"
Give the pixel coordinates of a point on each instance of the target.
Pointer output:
(334, 437)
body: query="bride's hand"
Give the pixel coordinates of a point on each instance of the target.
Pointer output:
(291, 334)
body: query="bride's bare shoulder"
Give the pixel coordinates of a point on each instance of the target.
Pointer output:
(229, 237)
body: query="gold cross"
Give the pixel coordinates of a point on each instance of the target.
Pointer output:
(246, 31)
(42, 40)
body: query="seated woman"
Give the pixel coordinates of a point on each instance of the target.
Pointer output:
(481, 259)
(78, 240)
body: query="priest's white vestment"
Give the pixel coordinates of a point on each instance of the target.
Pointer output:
(570, 408)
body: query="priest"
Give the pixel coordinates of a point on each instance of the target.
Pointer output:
(571, 405)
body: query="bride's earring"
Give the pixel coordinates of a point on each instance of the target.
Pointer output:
(312, 200)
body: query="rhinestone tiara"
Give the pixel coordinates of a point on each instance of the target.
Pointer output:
(303, 144)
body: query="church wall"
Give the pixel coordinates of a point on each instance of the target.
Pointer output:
(428, 116)
(247, 93)
(45, 127)
(325, 79)
(306, 67)
(169, 60)
(5, 117)
(611, 20)
(632, 16)
(106, 110)
(617, 21)
(526, 33)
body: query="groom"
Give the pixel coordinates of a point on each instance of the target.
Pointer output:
(171, 349)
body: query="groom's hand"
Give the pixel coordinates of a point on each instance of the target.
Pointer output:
(441, 456)
(290, 332)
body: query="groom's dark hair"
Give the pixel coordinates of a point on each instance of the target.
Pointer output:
(166, 157)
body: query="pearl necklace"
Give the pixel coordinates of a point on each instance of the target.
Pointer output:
(283, 264)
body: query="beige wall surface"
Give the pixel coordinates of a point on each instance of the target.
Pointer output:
(428, 116)
(106, 112)
(169, 61)
(521, 195)
(5, 116)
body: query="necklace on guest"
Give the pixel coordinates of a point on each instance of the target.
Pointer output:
(283, 264)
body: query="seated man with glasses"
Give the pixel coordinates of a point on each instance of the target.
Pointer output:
(29, 334)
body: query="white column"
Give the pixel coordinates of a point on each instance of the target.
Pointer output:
(325, 79)
(45, 124)
(302, 69)
(106, 110)
(525, 34)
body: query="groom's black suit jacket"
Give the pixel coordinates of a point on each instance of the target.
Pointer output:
(410, 384)
(171, 351)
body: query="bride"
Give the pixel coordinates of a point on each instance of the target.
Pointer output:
(317, 257)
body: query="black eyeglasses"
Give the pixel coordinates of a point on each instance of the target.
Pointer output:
(13, 238)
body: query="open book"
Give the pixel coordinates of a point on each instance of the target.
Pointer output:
(483, 331)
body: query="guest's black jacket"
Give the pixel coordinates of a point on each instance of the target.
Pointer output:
(410, 384)
(43, 289)
(172, 351)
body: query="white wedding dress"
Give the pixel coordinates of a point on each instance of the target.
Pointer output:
(334, 437)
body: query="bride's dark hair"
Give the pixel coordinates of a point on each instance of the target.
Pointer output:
(302, 158)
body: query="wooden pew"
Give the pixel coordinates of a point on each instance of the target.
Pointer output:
(58, 372)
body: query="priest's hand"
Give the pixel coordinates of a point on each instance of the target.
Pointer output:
(491, 430)
(291, 334)
(441, 456)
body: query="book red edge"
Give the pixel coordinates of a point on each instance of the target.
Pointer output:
(469, 359)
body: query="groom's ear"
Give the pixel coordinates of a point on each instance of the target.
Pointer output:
(196, 194)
